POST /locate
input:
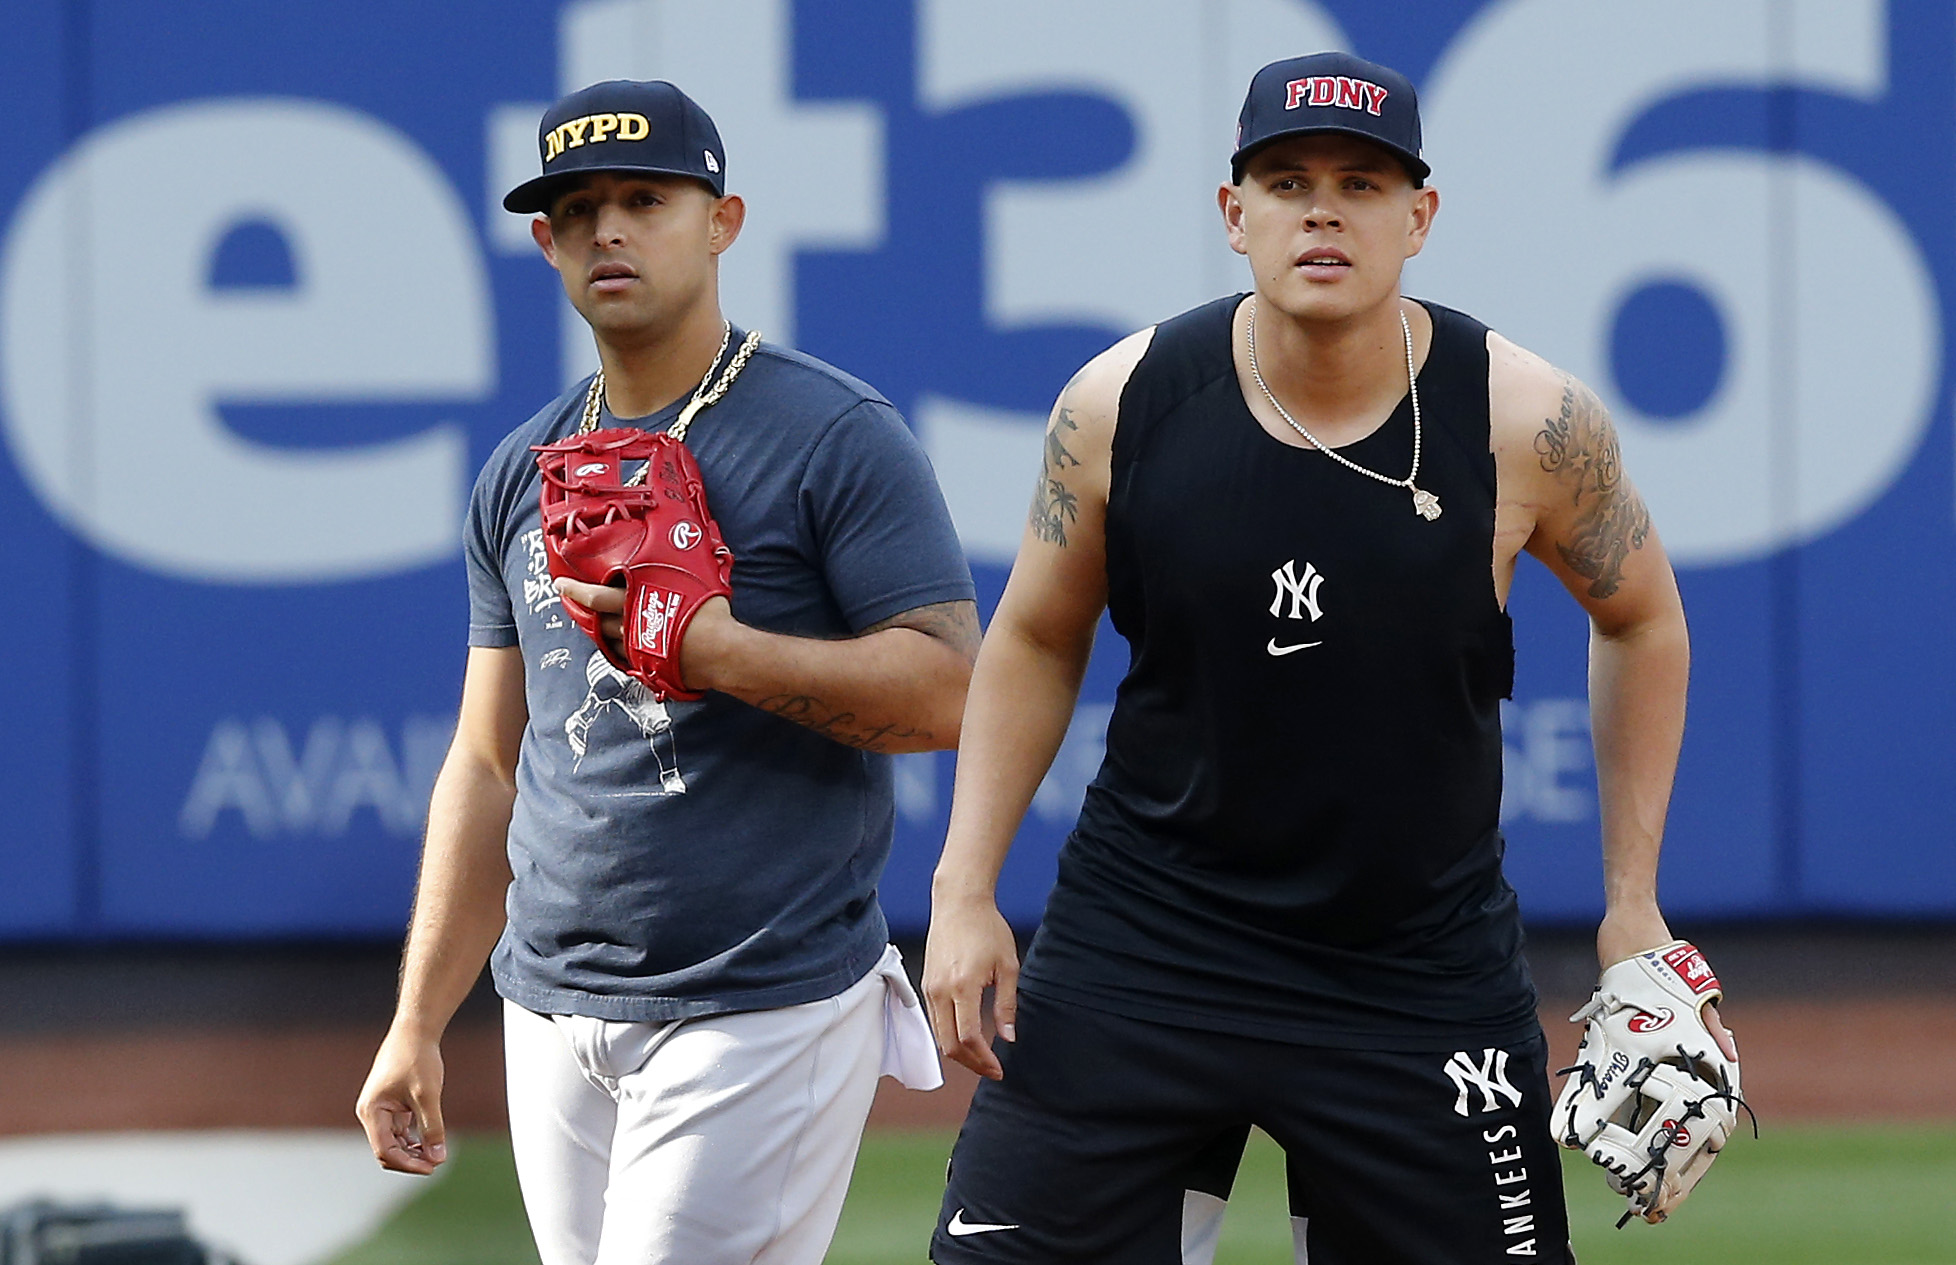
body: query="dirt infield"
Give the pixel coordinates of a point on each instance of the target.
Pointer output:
(1833, 1023)
(1865, 1059)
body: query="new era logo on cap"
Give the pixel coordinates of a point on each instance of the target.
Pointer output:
(1330, 92)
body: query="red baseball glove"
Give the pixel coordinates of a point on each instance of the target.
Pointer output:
(656, 535)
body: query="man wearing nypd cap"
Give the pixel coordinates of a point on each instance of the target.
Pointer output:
(1282, 905)
(677, 900)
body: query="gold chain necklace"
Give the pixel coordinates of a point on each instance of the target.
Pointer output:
(1425, 504)
(703, 395)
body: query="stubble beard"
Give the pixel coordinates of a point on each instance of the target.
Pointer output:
(626, 322)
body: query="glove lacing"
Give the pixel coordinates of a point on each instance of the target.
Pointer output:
(1659, 1150)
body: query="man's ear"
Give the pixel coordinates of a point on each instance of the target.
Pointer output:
(1426, 205)
(1230, 202)
(729, 213)
(546, 240)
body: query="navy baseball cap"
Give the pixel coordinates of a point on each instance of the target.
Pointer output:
(622, 125)
(1330, 92)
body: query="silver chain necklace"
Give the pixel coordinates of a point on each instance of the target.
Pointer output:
(1425, 504)
(703, 395)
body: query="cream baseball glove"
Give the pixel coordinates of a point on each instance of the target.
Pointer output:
(1651, 1097)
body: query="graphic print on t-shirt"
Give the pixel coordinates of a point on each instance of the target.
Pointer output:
(539, 594)
(613, 691)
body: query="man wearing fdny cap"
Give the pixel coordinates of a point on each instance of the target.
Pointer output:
(1283, 904)
(677, 899)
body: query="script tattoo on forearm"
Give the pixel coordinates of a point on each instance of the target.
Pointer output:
(1579, 447)
(840, 726)
(954, 624)
(1053, 504)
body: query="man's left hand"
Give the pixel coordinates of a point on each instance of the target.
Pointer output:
(1626, 932)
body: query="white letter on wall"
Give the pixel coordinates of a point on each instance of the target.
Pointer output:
(115, 353)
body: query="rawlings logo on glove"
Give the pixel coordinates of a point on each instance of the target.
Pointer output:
(1651, 1098)
(657, 537)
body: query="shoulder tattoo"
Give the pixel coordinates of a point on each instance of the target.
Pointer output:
(1579, 447)
(1053, 503)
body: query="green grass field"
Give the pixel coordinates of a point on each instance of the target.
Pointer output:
(1801, 1195)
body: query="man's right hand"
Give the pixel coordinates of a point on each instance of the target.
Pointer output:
(400, 1105)
(970, 946)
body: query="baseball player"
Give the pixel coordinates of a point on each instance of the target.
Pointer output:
(671, 869)
(1283, 904)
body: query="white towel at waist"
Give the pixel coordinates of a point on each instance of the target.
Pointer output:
(909, 1050)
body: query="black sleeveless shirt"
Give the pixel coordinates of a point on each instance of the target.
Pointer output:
(1295, 833)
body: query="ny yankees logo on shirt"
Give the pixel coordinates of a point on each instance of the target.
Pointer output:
(1302, 590)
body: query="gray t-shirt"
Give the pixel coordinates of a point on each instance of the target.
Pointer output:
(682, 859)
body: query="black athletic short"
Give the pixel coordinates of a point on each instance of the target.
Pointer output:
(1089, 1149)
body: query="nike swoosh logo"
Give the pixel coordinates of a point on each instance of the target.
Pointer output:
(959, 1227)
(1279, 652)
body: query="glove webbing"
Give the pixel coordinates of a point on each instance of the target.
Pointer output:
(1661, 1142)
(1667, 1135)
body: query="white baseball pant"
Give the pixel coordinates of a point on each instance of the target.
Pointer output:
(704, 1141)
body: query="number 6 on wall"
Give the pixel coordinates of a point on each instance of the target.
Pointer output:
(1828, 372)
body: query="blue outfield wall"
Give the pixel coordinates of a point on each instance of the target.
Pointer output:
(261, 319)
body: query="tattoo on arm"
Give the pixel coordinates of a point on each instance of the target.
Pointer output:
(1579, 447)
(841, 726)
(953, 623)
(1053, 504)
